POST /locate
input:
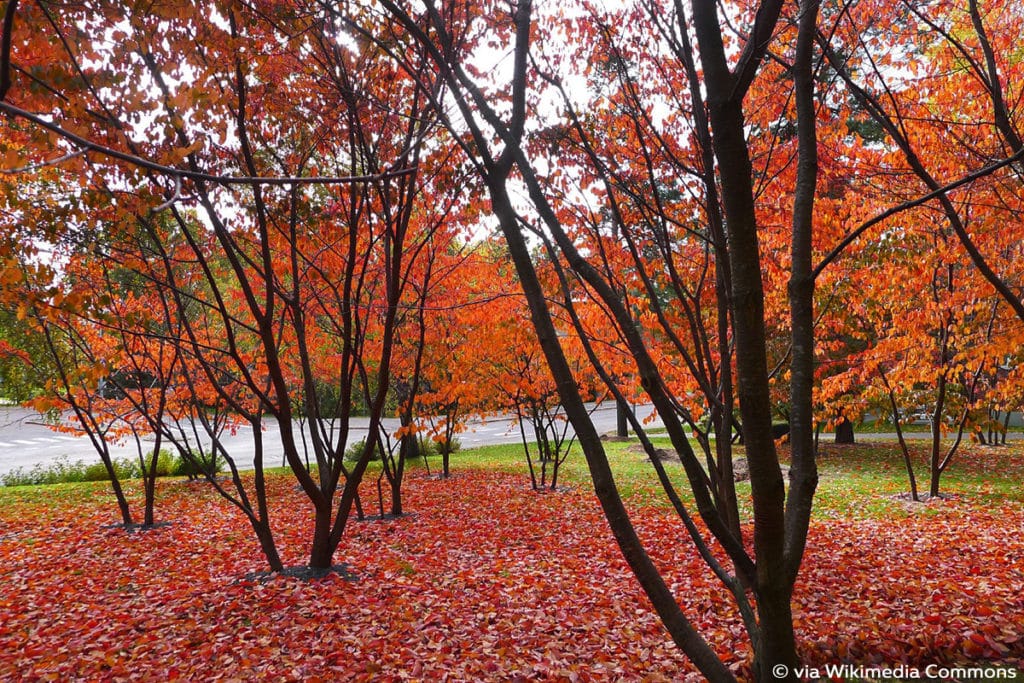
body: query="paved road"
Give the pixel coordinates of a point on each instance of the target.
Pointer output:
(25, 441)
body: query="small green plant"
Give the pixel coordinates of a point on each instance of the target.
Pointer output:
(448, 447)
(355, 451)
(166, 464)
(97, 471)
(54, 473)
(62, 471)
(195, 465)
(425, 448)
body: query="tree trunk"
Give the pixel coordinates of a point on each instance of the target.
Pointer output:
(321, 554)
(396, 496)
(268, 546)
(679, 627)
(149, 482)
(775, 642)
(844, 432)
(115, 484)
(935, 460)
(768, 489)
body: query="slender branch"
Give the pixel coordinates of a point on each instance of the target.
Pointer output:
(911, 204)
(42, 164)
(141, 162)
(174, 198)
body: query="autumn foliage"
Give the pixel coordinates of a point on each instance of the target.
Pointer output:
(239, 213)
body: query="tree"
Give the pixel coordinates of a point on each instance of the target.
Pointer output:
(949, 53)
(299, 251)
(779, 526)
(519, 383)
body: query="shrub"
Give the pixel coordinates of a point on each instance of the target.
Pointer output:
(166, 464)
(97, 471)
(448, 447)
(54, 473)
(63, 471)
(354, 451)
(193, 466)
(425, 448)
(124, 468)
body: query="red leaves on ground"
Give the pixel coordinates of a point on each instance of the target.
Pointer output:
(944, 587)
(485, 580)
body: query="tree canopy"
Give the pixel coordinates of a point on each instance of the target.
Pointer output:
(740, 212)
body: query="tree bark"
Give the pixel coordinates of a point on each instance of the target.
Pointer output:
(774, 643)
(844, 432)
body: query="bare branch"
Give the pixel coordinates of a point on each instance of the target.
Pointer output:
(173, 199)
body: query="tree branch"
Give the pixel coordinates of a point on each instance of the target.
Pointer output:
(89, 146)
(906, 206)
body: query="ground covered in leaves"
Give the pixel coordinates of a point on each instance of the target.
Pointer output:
(484, 580)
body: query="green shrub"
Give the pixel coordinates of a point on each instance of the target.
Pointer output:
(54, 473)
(63, 471)
(191, 467)
(448, 447)
(166, 462)
(96, 472)
(355, 451)
(124, 468)
(428, 448)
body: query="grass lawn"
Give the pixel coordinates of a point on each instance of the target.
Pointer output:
(487, 580)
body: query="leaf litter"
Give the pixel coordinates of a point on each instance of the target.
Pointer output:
(487, 581)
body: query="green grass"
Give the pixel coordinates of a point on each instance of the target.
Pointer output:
(864, 479)
(887, 427)
(858, 481)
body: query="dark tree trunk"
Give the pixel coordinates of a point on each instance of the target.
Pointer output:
(149, 480)
(115, 484)
(907, 462)
(268, 546)
(844, 432)
(679, 627)
(149, 483)
(935, 457)
(396, 497)
(398, 475)
(780, 532)
(321, 553)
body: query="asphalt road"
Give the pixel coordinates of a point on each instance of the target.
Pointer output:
(26, 441)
